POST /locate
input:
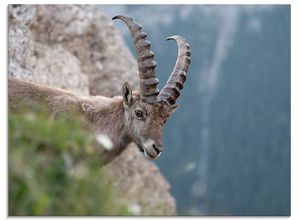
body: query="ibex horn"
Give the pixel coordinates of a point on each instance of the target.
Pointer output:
(171, 91)
(148, 82)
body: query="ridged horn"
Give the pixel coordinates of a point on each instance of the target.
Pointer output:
(171, 91)
(145, 57)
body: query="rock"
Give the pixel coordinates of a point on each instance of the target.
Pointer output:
(93, 40)
(21, 57)
(141, 183)
(79, 49)
(63, 67)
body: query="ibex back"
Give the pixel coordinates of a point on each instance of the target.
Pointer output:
(134, 117)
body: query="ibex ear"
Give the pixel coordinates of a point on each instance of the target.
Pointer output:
(127, 94)
(174, 108)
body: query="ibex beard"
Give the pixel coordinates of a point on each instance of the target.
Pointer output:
(133, 117)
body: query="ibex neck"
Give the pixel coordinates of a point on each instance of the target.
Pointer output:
(108, 119)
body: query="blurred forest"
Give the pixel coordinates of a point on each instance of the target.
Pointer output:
(227, 149)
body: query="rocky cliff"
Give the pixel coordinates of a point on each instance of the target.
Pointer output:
(78, 49)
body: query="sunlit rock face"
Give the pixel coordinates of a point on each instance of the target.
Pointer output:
(84, 47)
(78, 49)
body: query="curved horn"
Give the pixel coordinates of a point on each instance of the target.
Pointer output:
(171, 91)
(148, 90)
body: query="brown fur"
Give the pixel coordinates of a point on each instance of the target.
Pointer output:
(115, 117)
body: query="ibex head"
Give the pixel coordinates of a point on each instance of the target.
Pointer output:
(147, 110)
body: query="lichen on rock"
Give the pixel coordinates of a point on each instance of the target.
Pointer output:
(21, 57)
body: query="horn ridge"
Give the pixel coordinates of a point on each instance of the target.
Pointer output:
(145, 57)
(171, 91)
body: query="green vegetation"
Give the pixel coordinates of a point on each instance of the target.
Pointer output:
(54, 170)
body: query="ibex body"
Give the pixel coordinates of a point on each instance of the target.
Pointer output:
(133, 117)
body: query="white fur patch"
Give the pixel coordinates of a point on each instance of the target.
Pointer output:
(104, 140)
(146, 155)
(149, 142)
(158, 154)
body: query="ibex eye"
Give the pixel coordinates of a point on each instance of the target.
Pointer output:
(139, 113)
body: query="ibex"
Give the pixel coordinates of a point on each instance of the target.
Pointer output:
(137, 116)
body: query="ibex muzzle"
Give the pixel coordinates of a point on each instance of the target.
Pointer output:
(147, 111)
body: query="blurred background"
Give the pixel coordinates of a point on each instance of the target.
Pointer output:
(227, 150)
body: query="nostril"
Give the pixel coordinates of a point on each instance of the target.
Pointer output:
(156, 148)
